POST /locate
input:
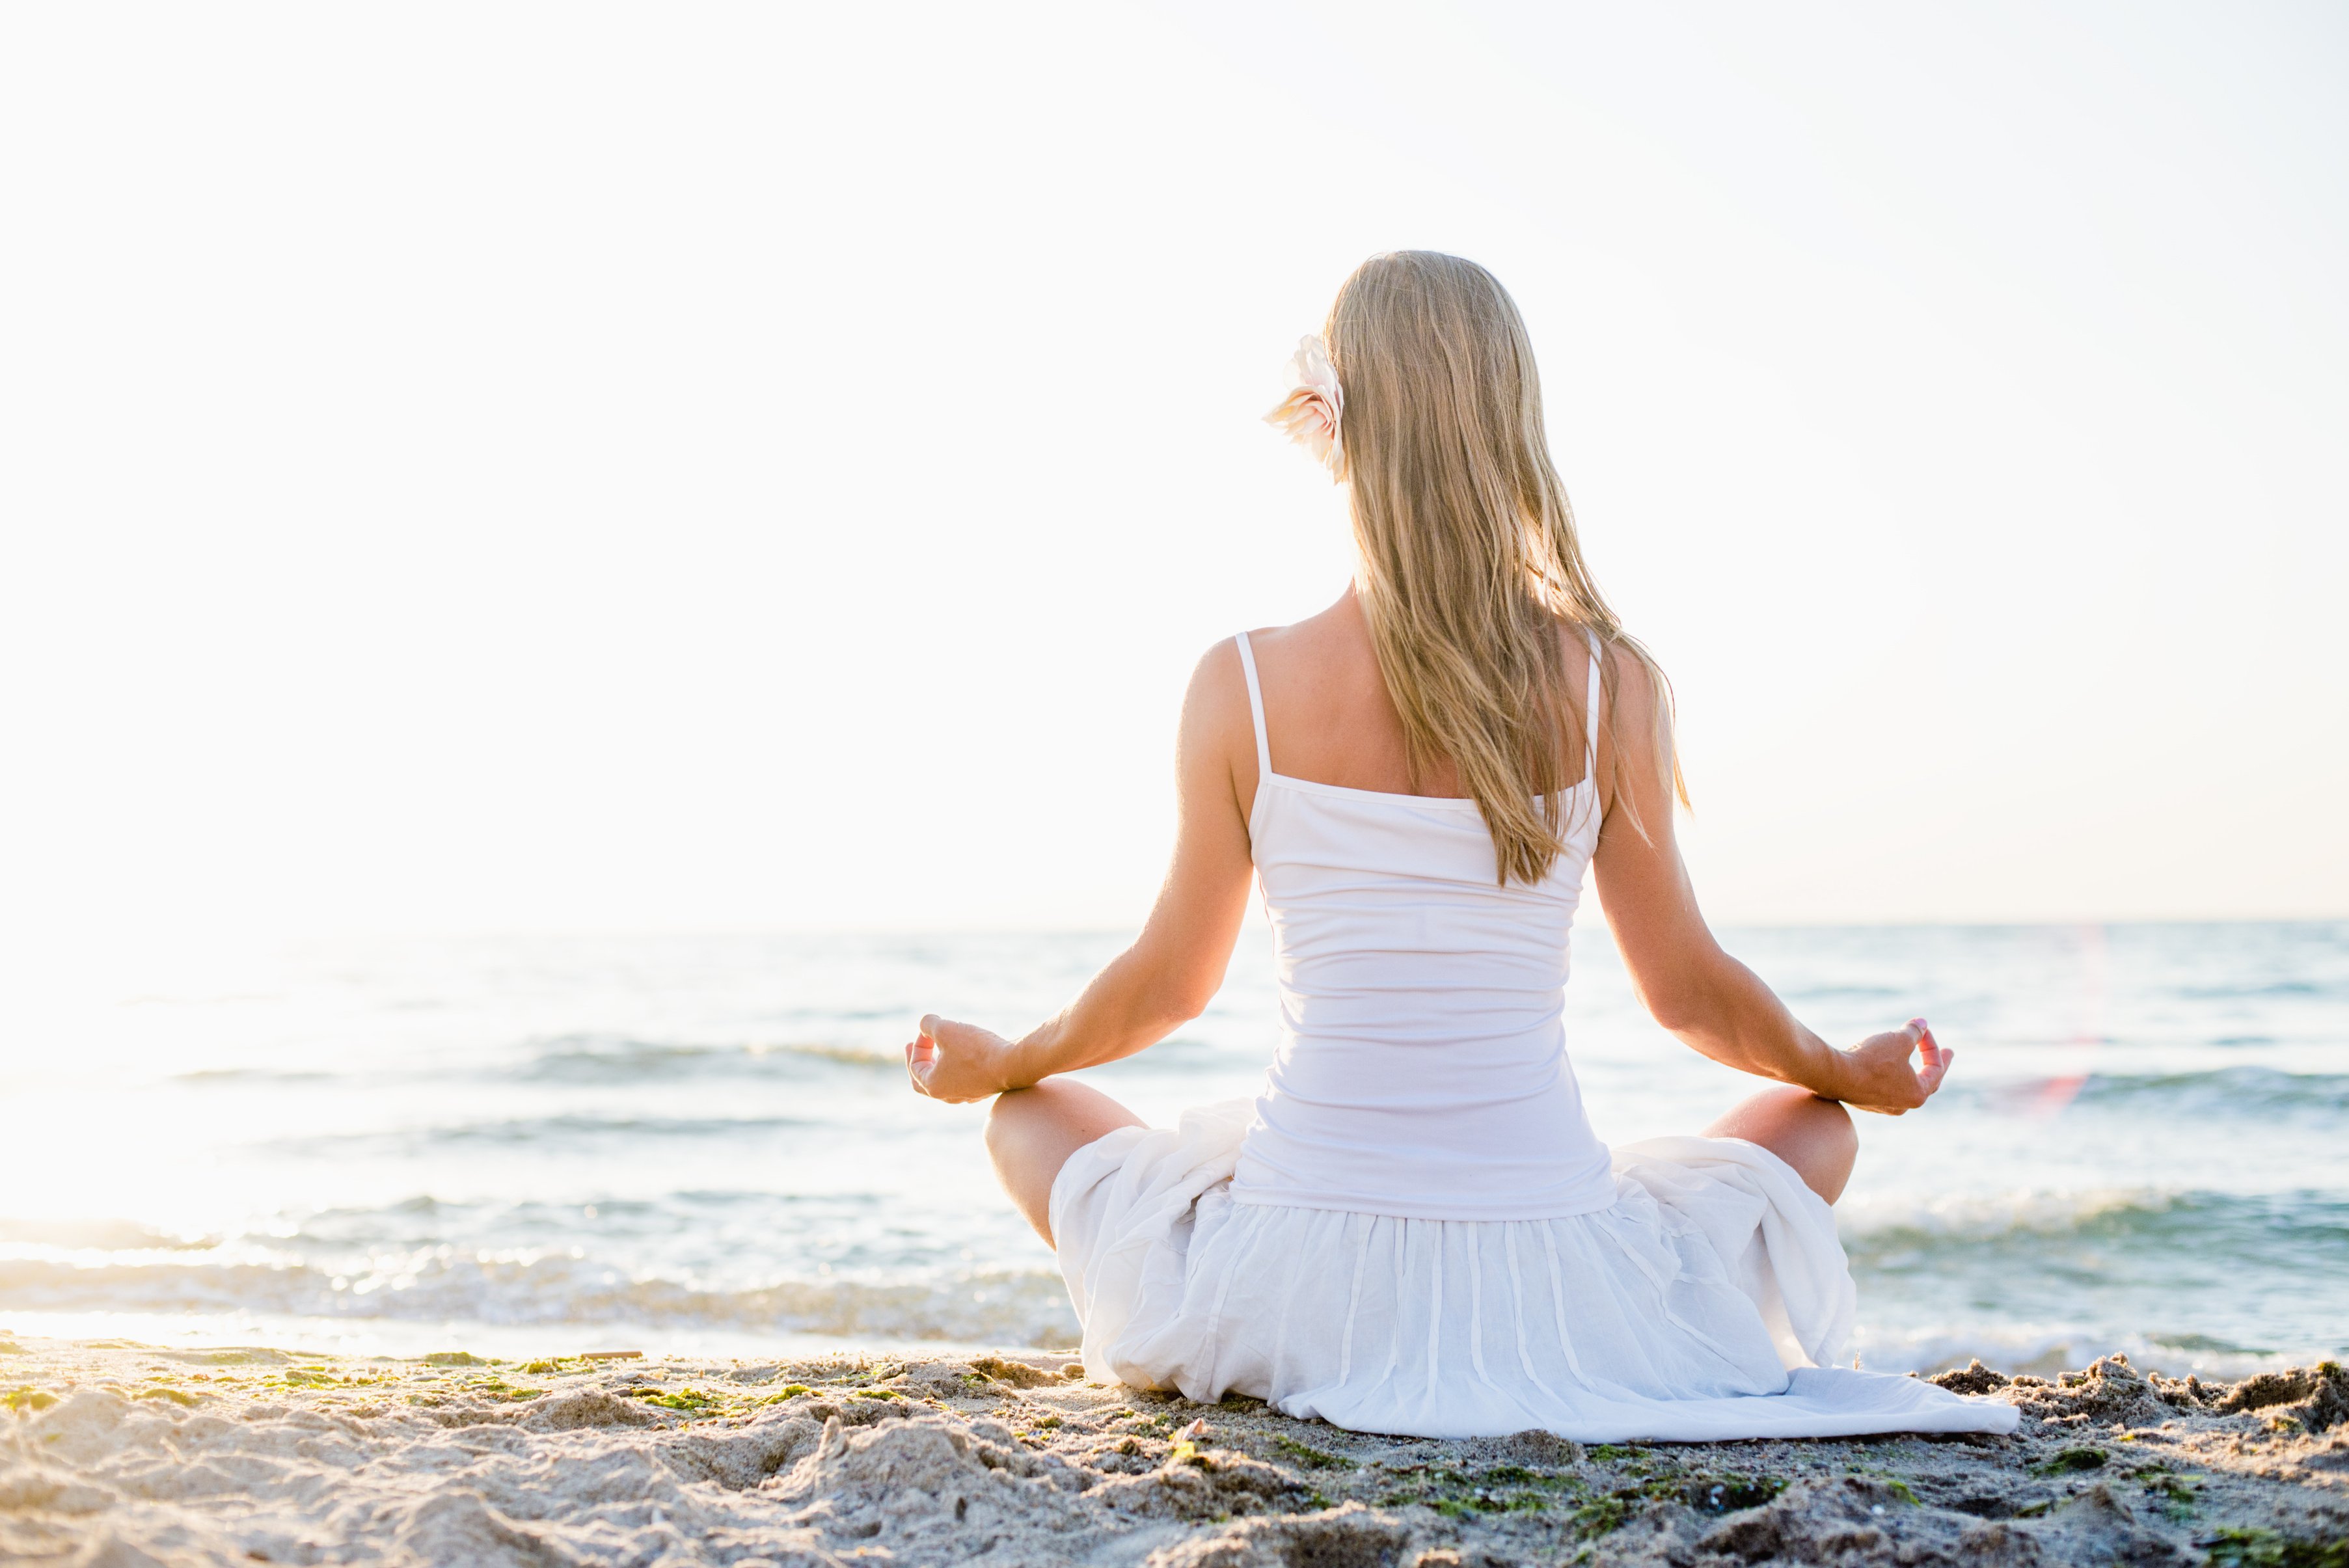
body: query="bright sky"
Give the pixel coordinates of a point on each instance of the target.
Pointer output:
(490, 468)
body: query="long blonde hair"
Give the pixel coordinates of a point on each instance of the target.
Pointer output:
(1469, 558)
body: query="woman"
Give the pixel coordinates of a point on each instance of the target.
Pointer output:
(1414, 1229)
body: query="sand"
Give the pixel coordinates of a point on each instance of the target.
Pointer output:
(116, 1454)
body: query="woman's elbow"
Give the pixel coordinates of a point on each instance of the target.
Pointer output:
(1683, 1000)
(1674, 1010)
(1174, 997)
(1181, 1004)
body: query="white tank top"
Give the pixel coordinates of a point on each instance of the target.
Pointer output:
(1422, 1070)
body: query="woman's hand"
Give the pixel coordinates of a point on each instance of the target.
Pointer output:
(1875, 1075)
(957, 1062)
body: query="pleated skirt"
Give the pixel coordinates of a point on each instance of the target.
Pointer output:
(1709, 1300)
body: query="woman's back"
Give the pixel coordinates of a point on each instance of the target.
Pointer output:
(1422, 1068)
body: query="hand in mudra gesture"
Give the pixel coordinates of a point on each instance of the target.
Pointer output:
(1877, 1074)
(957, 1062)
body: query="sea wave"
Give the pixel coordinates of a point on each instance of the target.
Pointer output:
(2044, 1350)
(2254, 1092)
(610, 1059)
(239, 1077)
(1028, 1307)
(2256, 1270)
(2259, 991)
(557, 1132)
(2144, 1216)
(2233, 1091)
(93, 1235)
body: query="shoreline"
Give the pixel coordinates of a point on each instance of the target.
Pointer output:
(352, 1338)
(111, 1451)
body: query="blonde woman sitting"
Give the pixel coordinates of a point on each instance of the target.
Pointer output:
(1414, 1229)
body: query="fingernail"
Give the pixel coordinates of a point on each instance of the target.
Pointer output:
(1918, 1024)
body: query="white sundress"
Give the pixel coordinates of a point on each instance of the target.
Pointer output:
(1414, 1229)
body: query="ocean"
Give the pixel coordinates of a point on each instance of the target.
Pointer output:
(705, 1144)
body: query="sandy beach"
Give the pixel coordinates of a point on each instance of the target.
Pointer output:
(116, 1454)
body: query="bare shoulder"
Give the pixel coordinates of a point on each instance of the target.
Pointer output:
(1573, 647)
(1636, 744)
(1218, 719)
(1627, 680)
(1216, 745)
(1218, 684)
(1629, 688)
(1300, 667)
(1633, 681)
(1321, 633)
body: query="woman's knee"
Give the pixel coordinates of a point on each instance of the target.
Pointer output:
(1831, 1148)
(1043, 1125)
(1815, 1135)
(1823, 1118)
(1009, 1120)
(1031, 1132)
(1837, 1125)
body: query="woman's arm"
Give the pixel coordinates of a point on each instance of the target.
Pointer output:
(1174, 968)
(1710, 1001)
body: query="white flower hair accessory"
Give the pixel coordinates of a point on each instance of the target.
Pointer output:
(1309, 415)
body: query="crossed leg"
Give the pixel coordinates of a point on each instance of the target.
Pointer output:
(1031, 1132)
(1813, 1135)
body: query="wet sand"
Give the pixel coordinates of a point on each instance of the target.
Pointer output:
(112, 1453)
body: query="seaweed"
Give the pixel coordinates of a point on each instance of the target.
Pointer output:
(1310, 1457)
(1733, 1492)
(2175, 1494)
(2259, 1548)
(2072, 1459)
(301, 1378)
(1608, 1514)
(692, 1401)
(1901, 1489)
(1707, 1493)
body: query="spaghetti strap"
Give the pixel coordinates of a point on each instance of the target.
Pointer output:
(1256, 711)
(1591, 711)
